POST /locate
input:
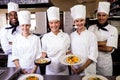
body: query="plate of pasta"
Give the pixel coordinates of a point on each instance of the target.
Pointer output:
(94, 77)
(70, 59)
(42, 61)
(118, 77)
(31, 77)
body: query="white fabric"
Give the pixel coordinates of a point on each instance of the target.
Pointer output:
(85, 46)
(56, 46)
(6, 37)
(104, 65)
(26, 50)
(78, 11)
(13, 7)
(53, 13)
(104, 7)
(24, 17)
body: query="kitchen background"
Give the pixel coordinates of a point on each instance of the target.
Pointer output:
(39, 19)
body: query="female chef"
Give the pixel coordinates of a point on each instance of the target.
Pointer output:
(55, 44)
(8, 32)
(83, 43)
(26, 46)
(107, 36)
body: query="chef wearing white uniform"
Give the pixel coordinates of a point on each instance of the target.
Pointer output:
(8, 32)
(107, 36)
(55, 44)
(26, 46)
(83, 43)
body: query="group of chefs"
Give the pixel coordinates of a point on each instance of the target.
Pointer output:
(94, 45)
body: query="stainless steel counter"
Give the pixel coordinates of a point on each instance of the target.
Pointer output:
(9, 73)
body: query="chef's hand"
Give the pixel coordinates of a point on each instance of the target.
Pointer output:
(74, 70)
(68, 52)
(34, 69)
(44, 54)
(79, 70)
(23, 71)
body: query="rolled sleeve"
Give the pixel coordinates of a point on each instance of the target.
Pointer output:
(93, 49)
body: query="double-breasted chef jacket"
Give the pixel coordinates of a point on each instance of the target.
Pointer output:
(85, 46)
(26, 50)
(56, 46)
(6, 36)
(104, 64)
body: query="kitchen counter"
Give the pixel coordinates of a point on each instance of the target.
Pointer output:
(14, 73)
(9, 73)
(3, 60)
(70, 77)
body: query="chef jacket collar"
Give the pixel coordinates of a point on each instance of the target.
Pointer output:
(102, 27)
(27, 36)
(60, 33)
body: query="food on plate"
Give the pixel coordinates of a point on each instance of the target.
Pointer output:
(72, 59)
(41, 61)
(32, 78)
(94, 78)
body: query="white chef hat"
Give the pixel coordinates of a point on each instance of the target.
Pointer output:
(78, 11)
(13, 7)
(53, 13)
(24, 17)
(104, 7)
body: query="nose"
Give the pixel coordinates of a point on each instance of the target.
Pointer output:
(54, 24)
(14, 17)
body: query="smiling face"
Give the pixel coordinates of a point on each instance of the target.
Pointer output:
(25, 28)
(54, 26)
(80, 23)
(102, 17)
(13, 18)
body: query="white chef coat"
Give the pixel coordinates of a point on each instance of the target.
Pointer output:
(104, 64)
(26, 50)
(56, 46)
(6, 37)
(85, 46)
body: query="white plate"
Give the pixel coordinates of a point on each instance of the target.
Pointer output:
(23, 77)
(118, 78)
(63, 60)
(89, 76)
(47, 61)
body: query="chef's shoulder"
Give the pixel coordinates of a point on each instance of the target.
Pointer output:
(46, 34)
(35, 36)
(90, 35)
(65, 34)
(112, 28)
(92, 27)
(3, 30)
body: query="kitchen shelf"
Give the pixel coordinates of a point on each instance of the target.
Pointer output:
(27, 3)
(117, 9)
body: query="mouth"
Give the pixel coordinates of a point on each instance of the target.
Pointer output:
(14, 20)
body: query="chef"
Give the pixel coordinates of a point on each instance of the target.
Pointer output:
(26, 46)
(83, 43)
(55, 44)
(8, 32)
(107, 37)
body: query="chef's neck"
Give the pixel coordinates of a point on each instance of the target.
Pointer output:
(79, 30)
(56, 32)
(25, 34)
